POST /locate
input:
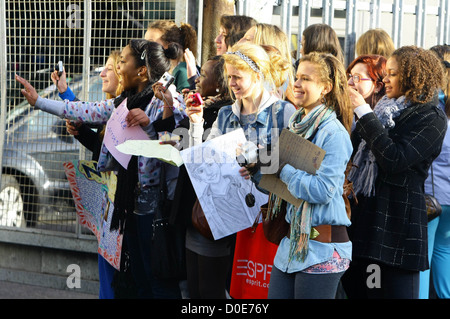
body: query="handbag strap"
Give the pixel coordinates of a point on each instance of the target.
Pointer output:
(432, 179)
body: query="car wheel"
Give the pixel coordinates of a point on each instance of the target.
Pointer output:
(11, 203)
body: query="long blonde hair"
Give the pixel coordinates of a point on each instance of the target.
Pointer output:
(332, 71)
(115, 56)
(270, 34)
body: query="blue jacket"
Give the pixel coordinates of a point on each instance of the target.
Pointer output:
(260, 132)
(324, 192)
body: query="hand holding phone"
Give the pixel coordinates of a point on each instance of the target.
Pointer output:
(166, 80)
(59, 67)
(196, 99)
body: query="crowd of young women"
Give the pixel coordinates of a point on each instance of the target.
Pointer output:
(386, 113)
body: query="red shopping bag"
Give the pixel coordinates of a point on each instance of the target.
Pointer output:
(252, 264)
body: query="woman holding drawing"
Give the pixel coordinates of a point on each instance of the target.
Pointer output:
(141, 65)
(312, 257)
(250, 72)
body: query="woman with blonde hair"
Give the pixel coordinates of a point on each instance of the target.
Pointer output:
(92, 140)
(375, 41)
(249, 70)
(269, 34)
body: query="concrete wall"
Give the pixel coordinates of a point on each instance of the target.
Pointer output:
(45, 266)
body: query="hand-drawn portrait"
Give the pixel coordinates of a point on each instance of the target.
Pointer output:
(220, 189)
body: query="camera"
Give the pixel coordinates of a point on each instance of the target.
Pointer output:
(196, 99)
(249, 154)
(59, 67)
(166, 80)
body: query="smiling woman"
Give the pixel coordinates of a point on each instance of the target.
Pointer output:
(141, 65)
(402, 135)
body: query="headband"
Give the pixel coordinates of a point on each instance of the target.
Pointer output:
(249, 61)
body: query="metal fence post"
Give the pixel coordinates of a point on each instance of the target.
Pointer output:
(350, 31)
(421, 12)
(87, 47)
(304, 12)
(3, 77)
(397, 20)
(375, 14)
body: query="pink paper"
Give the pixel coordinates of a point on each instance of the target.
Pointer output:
(117, 132)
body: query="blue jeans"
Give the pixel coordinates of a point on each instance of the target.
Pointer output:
(439, 257)
(139, 235)
(106, 275)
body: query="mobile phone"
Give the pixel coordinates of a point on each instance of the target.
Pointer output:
(196, 99)
(59, 67)
(166, 80)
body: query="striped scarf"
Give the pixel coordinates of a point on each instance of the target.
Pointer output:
(301, 217)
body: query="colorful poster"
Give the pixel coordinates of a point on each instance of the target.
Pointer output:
(93, 194)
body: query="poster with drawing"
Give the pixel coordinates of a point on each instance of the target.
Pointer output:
(214, 172)
(93, 193)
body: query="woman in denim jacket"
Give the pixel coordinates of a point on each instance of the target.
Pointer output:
(141, 65)
(249, 70)
(316, 251)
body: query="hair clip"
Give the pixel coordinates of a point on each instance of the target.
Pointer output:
(143, 55)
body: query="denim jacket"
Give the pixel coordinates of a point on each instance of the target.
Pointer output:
(260, 132)
(324, 192)
(100, 112)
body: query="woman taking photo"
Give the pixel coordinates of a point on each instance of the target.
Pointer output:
(390, 232)
(141, 65)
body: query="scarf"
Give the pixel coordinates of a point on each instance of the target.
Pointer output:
(301, 217)
(127, 178)
(365, 169)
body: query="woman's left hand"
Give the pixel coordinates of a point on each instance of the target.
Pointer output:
(137, 117)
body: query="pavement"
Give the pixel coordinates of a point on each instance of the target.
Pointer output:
(13, 290)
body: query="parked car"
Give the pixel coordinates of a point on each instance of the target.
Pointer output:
(36, 145)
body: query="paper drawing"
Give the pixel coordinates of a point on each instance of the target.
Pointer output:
(221, 191)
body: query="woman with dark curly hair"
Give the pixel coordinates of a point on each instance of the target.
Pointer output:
(389, 233)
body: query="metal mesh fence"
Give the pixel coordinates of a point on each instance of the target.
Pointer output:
(34, 190)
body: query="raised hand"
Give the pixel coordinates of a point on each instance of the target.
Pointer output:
(29, 92)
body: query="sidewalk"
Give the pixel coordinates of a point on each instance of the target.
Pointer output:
(12, 290)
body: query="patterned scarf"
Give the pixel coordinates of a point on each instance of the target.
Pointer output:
(301, 217)
(365, 169)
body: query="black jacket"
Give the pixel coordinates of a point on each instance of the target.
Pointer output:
(391, 227)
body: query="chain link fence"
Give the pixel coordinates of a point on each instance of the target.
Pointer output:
(34, 191)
